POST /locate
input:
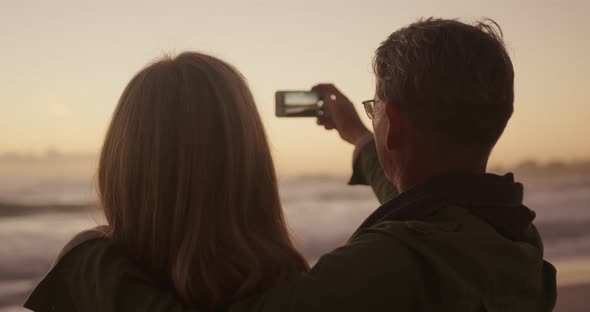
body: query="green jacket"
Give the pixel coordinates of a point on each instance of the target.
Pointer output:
(452, 260)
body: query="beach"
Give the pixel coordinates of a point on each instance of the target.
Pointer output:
(573, 298)
(321, 212)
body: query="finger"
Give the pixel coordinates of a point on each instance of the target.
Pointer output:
(320, 120)
(329, 92)
(325, 88)
(329, 124)
(325, 118)
(327, 104)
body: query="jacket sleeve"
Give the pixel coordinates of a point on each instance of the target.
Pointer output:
(367, 274)
(367, 170)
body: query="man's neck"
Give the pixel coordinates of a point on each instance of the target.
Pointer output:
(413, 173)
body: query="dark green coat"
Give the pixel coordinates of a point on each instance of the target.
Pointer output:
(452, 260)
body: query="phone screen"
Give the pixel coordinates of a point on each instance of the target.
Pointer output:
(301, 103)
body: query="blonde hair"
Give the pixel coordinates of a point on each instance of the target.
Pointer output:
(188, 185)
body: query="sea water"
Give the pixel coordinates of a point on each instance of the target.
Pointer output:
(322, 212)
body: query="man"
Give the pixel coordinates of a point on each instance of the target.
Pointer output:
(455, 238)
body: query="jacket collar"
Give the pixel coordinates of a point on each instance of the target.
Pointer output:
(496, 199)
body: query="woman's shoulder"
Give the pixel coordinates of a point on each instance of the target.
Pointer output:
(88, 268)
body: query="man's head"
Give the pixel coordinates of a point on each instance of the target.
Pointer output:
(444, 88)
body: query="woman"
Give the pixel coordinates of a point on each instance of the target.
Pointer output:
(188, 188)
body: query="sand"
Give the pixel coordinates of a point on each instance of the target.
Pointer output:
(575, 298)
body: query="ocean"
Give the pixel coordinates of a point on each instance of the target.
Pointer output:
(38, 216)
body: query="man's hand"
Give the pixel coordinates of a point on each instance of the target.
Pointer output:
(340, 114)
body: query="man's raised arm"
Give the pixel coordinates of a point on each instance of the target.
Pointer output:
(341, 115)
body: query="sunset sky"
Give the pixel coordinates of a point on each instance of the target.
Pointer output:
(64, 64)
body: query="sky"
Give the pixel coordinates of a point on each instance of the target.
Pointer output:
(64, 64)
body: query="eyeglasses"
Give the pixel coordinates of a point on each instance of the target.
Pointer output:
(370, 108)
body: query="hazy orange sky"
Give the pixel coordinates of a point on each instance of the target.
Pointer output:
(64, 64)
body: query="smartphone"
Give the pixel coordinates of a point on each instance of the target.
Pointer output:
(298, 104)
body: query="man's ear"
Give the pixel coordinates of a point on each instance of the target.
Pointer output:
(394, 126)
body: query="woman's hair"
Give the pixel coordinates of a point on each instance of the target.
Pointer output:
(188, 185)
